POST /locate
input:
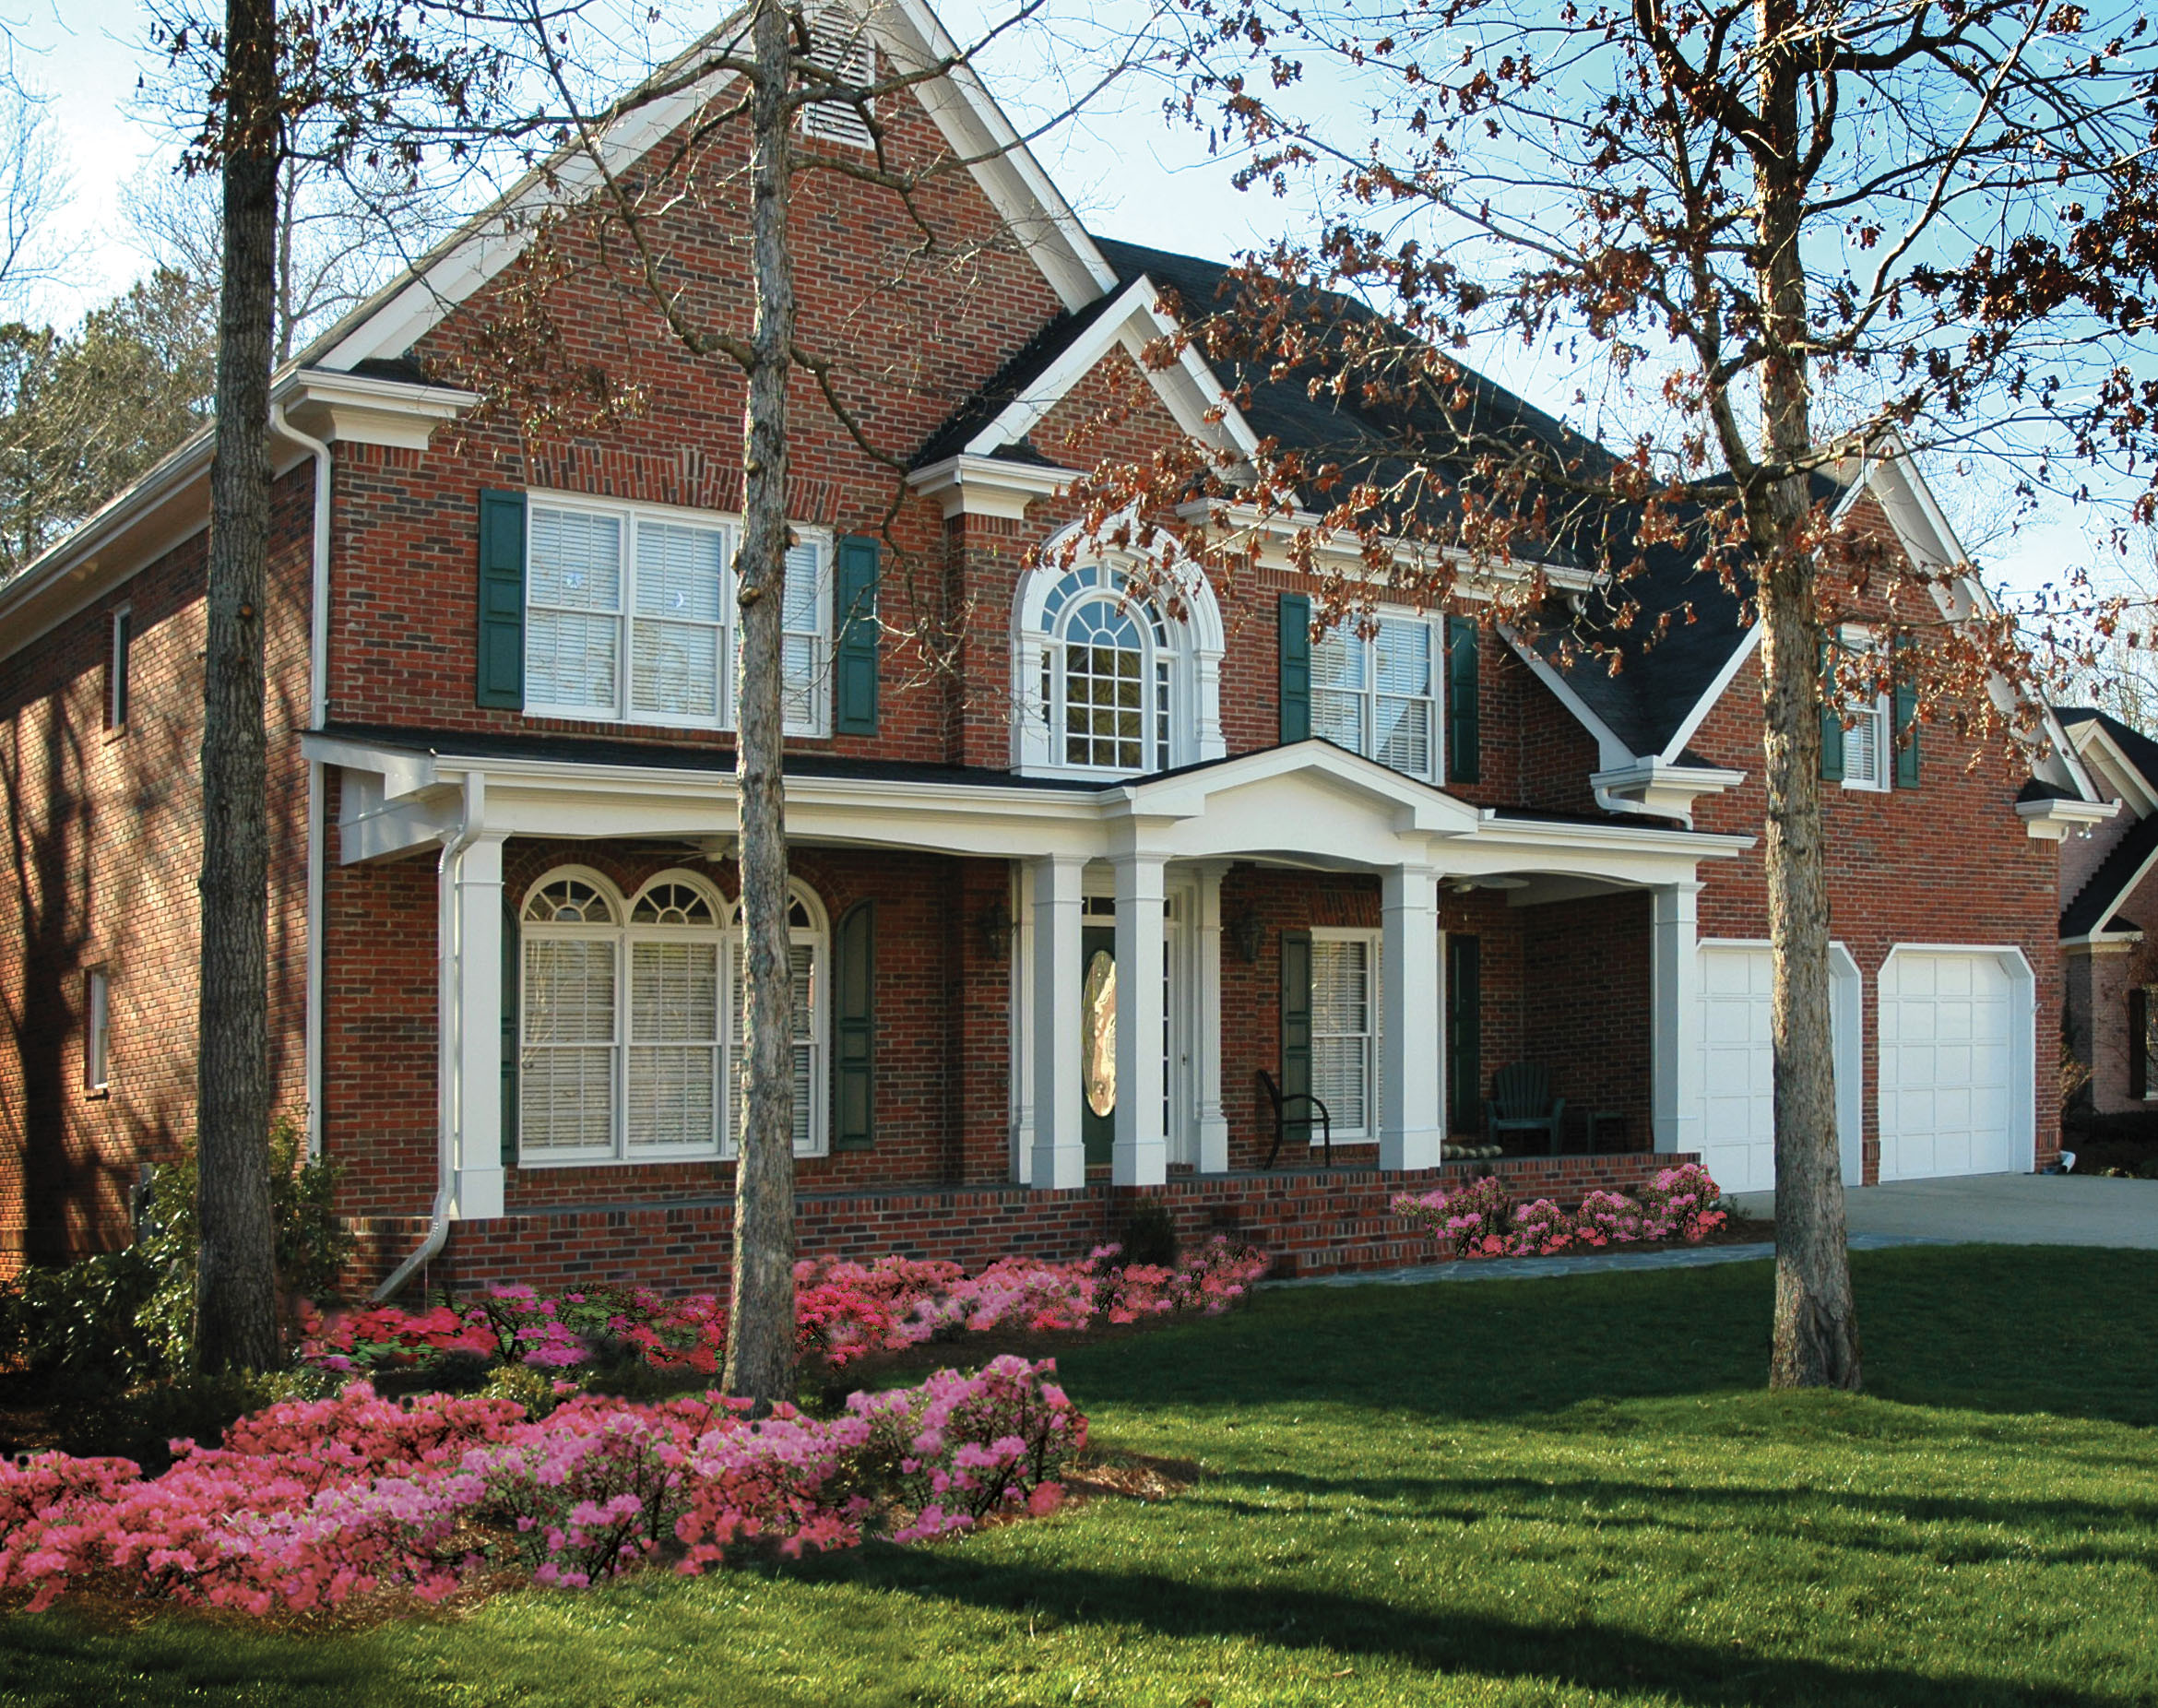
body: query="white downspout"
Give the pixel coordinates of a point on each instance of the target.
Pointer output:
(446, 1041)
(318, 708)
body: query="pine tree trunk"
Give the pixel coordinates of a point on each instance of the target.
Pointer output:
(1816, 1336)
(235, 1287)
(760, 1337)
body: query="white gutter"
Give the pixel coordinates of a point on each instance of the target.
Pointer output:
(453, 850)
(317, 705)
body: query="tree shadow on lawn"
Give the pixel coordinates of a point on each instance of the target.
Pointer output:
(2073, 1332)
(1580, 1654)
(1997, 1529)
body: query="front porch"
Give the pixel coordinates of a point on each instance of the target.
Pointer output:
(1074, 995)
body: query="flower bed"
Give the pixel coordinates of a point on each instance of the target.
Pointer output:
(843, 1311)
(1478, 1220)
(311, 1504)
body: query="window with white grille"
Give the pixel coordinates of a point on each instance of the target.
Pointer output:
(1868, 750)
(622, 1054)
(841, 46)
(630, 617)
(1345, 1028)
(1378, 697)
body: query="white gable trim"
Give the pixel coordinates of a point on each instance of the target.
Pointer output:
(1748, 644)
(389, 322)
(2100, 752)
(1190, 390)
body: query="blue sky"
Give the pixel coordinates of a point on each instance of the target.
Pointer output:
(1130, 171)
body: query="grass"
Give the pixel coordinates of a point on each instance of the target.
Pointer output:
(1549, 1491)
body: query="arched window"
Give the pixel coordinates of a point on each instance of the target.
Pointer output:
(1108, 684)
(623, 1056)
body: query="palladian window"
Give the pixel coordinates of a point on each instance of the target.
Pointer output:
(623, 1056)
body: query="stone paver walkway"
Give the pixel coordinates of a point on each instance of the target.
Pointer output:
(1587, 1263)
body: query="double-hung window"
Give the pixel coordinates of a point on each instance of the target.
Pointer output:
(1868, 745)
(630, 617)
(1376, 695)
(1345, 1028)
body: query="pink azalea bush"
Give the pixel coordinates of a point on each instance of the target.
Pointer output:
(847, 1310)
(843, 1311)
(1477, 1220)
(309, 1505)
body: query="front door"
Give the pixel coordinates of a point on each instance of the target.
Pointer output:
(1098, 1045)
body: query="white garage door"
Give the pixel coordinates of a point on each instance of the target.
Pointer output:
(1947, 1065)
(1737, 1079)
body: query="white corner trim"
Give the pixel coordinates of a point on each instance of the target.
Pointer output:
(2051, 821)
(991, 486)
(357, 410)
(1611, 753)
(1662, 790)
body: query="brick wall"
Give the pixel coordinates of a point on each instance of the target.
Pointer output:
(104, 850)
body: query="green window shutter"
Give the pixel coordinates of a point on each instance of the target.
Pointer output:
(2138, 1042)
(1296, 1032)
(1904, 721)
(854, 1027)
(854, 668)
(1464, 1032)
(1831, 721)
(502, 600)
(512, 960)
(1464, 726)
(1295, 677)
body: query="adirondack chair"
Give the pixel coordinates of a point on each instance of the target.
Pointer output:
(1521, 1101)
(1275, 1096)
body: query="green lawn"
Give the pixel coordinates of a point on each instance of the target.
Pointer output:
(1534, 1491)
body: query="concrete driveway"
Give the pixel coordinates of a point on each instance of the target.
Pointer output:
(2001, 1209)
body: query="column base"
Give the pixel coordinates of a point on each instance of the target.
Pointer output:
(479, 1194)
(1143, 1164)
(1059, 1168)
(1415, 1147)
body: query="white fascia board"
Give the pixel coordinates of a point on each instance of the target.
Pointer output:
(1748, 644)
(1923, 530)
(397, 316)
(1188, 391)
(1611, 753)
(2102, 756)
(988, 485)
(1023, 194)
(1276, 531)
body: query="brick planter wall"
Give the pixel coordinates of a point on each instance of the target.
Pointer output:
(1313, 1222)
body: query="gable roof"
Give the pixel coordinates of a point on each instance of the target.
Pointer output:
(2093, 908)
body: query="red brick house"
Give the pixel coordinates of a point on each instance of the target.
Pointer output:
(2108, 886)
(1056, 912)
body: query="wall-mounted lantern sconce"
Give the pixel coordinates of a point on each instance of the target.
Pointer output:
(1245, 932)
(996, 930)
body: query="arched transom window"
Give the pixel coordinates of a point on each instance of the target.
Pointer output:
(1109, 683)
(1108, 674)
(622, 1055)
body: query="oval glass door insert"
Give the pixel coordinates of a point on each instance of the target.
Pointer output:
(1097, 1048)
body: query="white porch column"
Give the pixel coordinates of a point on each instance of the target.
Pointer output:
(1060, 1147)
(1022, 1024)
(1408, 1019)
(1212, 1119)
(472, 973)
(1675, 1026)
(1141, 1156)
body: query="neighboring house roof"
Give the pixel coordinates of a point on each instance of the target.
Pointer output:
(2093, 908)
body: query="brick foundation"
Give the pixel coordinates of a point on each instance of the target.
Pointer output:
(1313, 1222)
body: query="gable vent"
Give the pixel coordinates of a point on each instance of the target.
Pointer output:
(842, 46)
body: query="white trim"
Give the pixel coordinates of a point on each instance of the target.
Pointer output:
(119, 668)
(97, 1028)
(2054, 820)
(2023, 1047)
(2113, 764)
(1660, 791)
(1190, 391)
(988, 486)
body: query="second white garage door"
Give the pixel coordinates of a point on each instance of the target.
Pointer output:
(1949, 1082)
